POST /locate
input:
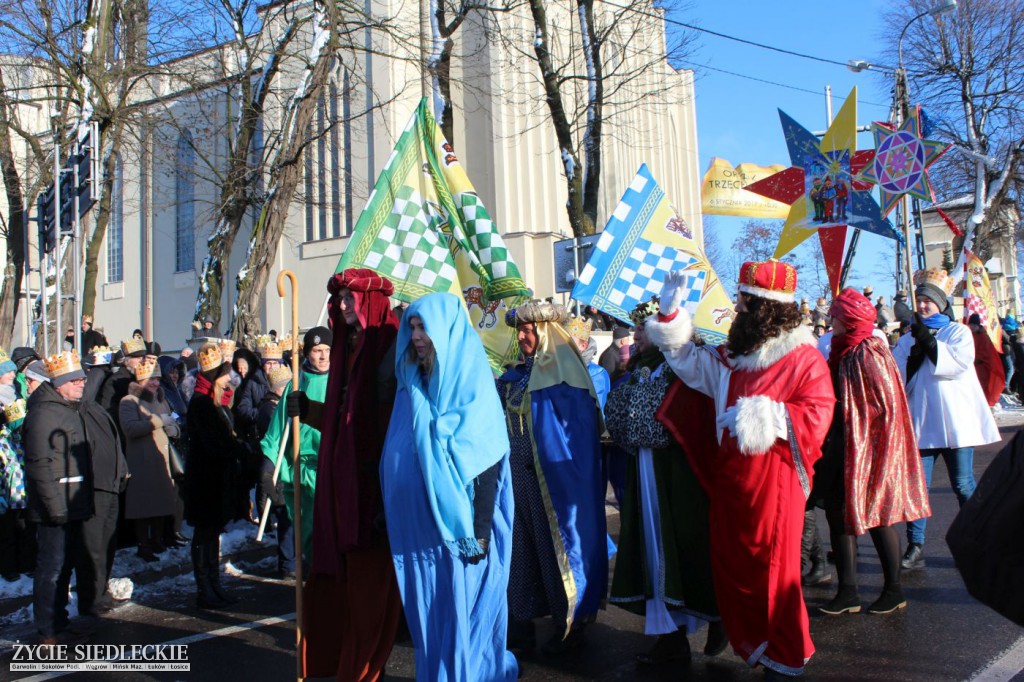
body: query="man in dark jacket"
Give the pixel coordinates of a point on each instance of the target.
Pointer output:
(90, 337)
(109, 479)
(58, 474)
(900, 308)
(109, 380)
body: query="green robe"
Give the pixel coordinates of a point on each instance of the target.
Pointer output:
(683, 511)
(315, 386)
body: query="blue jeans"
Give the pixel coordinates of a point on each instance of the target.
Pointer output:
(1008, 366)
(960, 465)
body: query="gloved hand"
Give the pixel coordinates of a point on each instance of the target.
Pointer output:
(672, 291)
(922, 334)
(727, 420)
(297, 405)
(477, 558)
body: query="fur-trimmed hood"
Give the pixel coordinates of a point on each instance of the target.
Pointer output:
(774, 349)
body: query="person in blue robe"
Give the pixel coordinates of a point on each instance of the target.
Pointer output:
(448, 496)
(559, 546)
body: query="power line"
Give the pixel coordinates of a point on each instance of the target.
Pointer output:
(726, 36)
(776, 84)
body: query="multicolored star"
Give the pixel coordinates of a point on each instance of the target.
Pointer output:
(835, 157)
(902, 158)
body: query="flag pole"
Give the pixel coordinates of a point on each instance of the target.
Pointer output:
(296, 466)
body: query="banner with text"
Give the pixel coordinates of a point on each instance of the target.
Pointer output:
(722, 191)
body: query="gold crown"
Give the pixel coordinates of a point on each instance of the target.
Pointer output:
(644, 310)
(937, 277)
(15, 410)
(285, 343)
(279, 374)
(98, 351)
(146, 370)
(262, 341)
(271, 351)
(579, 328)
(63, 363)
(210, 357)
(537, 311)
(227, 349)
(132, 346)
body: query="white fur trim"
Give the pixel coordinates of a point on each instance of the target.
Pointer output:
(780, 296)
(670, 335)
(776, 348)
(757, 426)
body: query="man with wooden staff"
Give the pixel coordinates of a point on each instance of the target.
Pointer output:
(352, 605)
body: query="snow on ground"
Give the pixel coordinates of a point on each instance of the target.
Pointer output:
(124, 583)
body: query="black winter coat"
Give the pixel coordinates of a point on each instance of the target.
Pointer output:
(106, 387)
(214, 491)
(58, 468)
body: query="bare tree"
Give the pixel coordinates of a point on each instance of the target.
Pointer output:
(967, 68)
(584, 82)
(14, 224)
(237, 182)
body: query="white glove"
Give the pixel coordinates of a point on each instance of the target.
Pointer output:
(672, 291)
(727, 420)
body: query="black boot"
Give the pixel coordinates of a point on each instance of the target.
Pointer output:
(671, 647)
(810, 529)
(214, 564)
(206, 598)
(819, 573)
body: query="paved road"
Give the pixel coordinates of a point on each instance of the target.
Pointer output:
(943, 635)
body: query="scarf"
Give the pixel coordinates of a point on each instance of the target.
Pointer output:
(347, 497)
(855, 312)
(205, 387)
(458, 423)
(936, 321)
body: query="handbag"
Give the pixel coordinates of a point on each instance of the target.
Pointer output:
(175, 456)
(629, 412)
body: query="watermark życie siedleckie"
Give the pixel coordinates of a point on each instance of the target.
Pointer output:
(100, 658)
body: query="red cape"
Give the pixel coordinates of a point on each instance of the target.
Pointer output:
(989, 366)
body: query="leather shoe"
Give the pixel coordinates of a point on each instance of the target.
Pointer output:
(892, 599)
(717, 639)
(671, 647)
(913, 558)
(846, 601)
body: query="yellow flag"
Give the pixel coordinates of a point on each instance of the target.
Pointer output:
(722, 191)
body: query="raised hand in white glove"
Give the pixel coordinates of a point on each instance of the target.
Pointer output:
(672, 290)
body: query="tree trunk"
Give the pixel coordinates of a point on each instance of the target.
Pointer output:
(595, 112)
(284, 178)
(235, 199)
(10, 290)
(563, 129)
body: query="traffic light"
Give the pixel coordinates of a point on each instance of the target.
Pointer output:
(47, 233)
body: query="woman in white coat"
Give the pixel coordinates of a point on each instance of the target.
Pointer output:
(947, 405)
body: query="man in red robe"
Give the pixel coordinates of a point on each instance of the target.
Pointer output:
(987, 362)
(773, 403)
(351, 604)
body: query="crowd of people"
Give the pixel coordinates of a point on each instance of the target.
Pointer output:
(469, 506)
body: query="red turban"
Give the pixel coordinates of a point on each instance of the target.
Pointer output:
(360, 279)
(855, 312)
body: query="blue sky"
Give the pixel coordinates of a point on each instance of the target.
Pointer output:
(737, 118)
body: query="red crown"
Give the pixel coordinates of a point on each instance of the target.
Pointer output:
(769, 279)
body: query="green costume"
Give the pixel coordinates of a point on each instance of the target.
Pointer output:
(682, 512)
(315, 386)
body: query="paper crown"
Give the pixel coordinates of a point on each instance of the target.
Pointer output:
(644, 310)
(271, 351)
(937, 277)
(769, 279)
(133, 347)
(285, 343)
(227, 349)
(146, 370)
(262, 341)
(63, 363)
(15, 410)
(210, 357)
(101, 355)
(537, 311)
(579, 327)
(279, 374)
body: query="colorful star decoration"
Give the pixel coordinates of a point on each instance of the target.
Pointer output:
(902, 158)
(823, 188)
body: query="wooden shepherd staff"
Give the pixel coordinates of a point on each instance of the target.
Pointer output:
(296, 466)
